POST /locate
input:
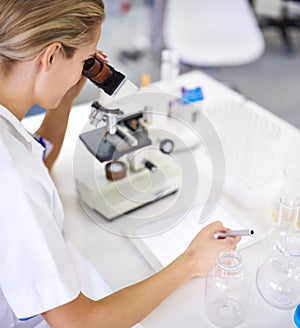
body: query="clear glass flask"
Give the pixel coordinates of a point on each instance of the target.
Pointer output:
(288, 212)
(227, 290)
(278, 277)
(290, 186)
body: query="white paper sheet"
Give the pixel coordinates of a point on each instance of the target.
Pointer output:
(160, 250)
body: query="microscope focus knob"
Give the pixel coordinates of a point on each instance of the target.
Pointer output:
(166, 146)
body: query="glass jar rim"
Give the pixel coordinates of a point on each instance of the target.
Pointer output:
(290, 201)
(230, 261)
(283, 248)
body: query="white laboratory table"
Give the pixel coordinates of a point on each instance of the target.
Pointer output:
(121, 264)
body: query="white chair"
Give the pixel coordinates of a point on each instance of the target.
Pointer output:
(212, 33)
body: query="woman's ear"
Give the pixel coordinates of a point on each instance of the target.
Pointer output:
(50, 55)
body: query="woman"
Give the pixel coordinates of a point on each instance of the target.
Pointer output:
(43, 46)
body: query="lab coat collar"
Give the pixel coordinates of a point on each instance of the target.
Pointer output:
(21, 131)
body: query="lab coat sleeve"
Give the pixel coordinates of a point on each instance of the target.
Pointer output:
(36, 273)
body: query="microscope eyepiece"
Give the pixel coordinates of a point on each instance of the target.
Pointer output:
(102, 75)
(97, 71)
(88, 64)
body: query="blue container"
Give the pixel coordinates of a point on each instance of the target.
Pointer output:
(297, 316)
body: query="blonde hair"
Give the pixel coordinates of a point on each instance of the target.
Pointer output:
(29, 26)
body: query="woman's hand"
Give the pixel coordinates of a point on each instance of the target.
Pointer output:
(102, 56)
(67, 100)
(204, 248)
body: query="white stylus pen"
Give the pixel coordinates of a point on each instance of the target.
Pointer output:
(233, 233)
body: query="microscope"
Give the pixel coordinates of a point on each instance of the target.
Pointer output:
(133, 165)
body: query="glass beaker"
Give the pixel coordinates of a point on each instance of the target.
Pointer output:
(290, 187)
(227, 290)
(288, 213)
(278, 277)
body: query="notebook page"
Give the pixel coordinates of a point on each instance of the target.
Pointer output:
(168, 245)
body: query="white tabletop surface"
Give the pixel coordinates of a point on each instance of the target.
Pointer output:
(120, 263)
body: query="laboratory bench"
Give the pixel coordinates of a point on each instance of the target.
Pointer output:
(121, 263)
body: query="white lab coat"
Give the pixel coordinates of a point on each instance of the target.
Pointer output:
(40, 270)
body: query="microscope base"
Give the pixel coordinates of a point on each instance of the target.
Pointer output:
(112, 199)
